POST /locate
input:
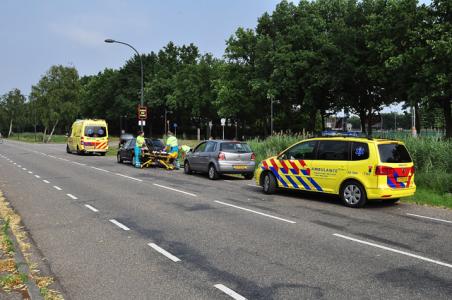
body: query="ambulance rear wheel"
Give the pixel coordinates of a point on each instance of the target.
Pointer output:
(353, 194)
(269, 183)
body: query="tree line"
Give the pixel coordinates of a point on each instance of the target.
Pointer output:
(310, 60)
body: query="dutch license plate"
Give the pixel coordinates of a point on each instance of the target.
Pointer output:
(402, 179)
(239, 167)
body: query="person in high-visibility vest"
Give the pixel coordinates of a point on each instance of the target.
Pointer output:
(173, 148)
(139, 143)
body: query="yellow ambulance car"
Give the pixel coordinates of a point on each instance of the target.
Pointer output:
(356, 169)
(88, 136)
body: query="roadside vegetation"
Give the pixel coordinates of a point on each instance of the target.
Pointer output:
(432, 158)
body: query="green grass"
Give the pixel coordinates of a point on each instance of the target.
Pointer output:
(6, 239)
(425, 196)
(29, 137)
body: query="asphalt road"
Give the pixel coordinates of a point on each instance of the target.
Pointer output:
(110, 231)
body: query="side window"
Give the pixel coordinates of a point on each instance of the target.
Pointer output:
(333, 150)
(360, 151)
(210, 147)
(304, 150)
(200, 148)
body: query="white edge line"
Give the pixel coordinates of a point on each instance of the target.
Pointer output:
(430, 218)
(122, 175)
(394, 250)
(256, 212)
(229, 292)
(37, 176)
(30, 172)
(71, 196)
(175, 190)
(57, 187)
(120, 225)
(91, 208)
(253, 185)
(77, 163)
(164, 252)
(46, 181)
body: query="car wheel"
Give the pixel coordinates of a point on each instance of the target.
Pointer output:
(187, 169)
(118, 158)
(248, 175)
(67, 149)
(213, 174)
(353, 194)
(269, 184)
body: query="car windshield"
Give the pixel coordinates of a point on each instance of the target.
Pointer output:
(235, 147)
(393, 153)
(95, 131)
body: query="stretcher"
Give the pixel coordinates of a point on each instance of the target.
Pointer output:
(158, 159)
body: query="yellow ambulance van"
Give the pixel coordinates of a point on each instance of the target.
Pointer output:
(88, 136)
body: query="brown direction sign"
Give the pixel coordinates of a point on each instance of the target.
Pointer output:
(142, 112)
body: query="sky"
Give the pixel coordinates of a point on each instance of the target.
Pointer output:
(35, 35)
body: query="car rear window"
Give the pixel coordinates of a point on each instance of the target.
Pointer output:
(95, 131)
(235, 147)
(393, 153)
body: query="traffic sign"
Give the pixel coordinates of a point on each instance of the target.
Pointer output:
(141, 123)
(223, 121)
(142, 112)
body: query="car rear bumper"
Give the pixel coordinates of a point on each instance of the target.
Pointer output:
(236, 167)
(390, 193)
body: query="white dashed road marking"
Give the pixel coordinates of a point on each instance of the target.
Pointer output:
(120, 225)
(99, 169)
(57, 188)
(25, 169)
(125, 176)
(46, 181)
(91, 208)
(430, 218)
(256, 212)
(80, 164)
(30, 172)
(229, 292)
(394, 250)
(164, 252)
(72, 196)
(37, 176)
(175, 190)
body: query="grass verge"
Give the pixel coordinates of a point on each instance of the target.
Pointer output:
(425, 196)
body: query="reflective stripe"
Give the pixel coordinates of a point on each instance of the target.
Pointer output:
(292, 182)
(306, 186)
(315, 184)
(278, 177)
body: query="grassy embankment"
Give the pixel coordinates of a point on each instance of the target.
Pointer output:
(432, 157)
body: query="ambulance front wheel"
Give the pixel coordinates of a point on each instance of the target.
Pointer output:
(353, 194)
(269, 183)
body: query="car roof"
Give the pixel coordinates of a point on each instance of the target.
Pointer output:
(353, 139)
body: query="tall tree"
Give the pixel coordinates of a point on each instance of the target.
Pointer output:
(13, 104)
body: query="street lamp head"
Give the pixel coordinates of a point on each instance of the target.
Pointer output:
(109, 41)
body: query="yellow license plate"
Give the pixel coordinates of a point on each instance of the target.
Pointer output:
(402, 179)
(239, 167)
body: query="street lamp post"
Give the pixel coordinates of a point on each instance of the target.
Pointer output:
(142, 71)
(271, 97)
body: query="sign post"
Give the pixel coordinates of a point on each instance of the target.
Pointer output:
(223, 123)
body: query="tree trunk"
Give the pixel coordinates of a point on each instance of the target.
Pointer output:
(447, 117)
(53, 130)
(362, 119)
(418, 118)
(10, 127)
(369, 123)
(44, 134)
(322, 115)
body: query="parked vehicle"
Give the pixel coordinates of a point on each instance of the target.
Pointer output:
(356, 169)
(88, 136)
(126, 151)
(123, 138)
(217, 157)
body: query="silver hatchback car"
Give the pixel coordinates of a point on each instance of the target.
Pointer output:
(217, 157)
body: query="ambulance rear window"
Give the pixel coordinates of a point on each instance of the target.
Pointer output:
(393, 153)
(95, 131)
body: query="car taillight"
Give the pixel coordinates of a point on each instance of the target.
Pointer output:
(221, 156)
(383, 170)
(413, 169)
(253, 156)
